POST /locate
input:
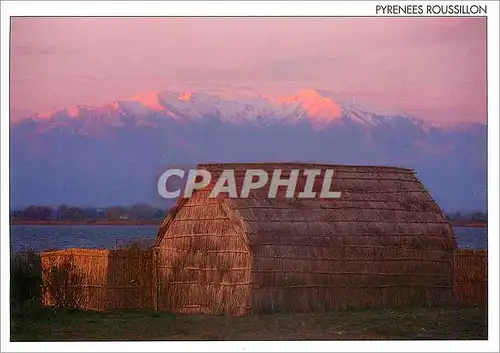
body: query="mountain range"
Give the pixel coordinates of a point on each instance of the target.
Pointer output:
(114, 153)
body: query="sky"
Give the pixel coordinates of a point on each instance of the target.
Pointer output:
(433, 68)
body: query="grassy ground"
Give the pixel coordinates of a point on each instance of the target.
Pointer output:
(49, 325)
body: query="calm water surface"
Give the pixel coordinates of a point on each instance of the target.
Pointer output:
(44, 237)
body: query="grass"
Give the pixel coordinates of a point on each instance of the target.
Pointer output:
(61, 325)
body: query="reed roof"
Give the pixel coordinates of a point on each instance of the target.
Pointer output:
(378, 205)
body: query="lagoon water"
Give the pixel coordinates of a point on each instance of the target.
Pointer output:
(45, 237)
(471, 238)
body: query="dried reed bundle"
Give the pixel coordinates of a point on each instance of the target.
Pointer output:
(108, 279)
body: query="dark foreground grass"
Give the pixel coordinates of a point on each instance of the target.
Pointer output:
(50, 325)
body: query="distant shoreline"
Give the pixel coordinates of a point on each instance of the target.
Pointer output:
(147, 222)
(471, 224)
(143, 222)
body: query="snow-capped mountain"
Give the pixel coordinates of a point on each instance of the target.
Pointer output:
(112, 154)
(309, 106)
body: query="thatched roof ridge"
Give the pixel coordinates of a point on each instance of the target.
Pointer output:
(300, 165)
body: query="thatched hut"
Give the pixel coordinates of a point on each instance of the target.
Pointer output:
(383, 243)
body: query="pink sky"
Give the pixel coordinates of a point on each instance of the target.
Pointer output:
(434, 68)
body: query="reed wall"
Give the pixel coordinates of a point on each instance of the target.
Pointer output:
(94, 279)
(127, 280)
(204, 266)
(471, 277)
(130, 279)
(77, 273)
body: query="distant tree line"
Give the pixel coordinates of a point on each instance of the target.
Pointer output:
(71, 213)
(142, 211)
(468, 216)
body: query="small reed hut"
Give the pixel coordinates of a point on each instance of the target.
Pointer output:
(383, 243)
